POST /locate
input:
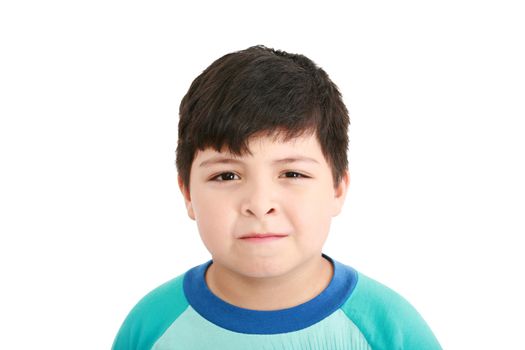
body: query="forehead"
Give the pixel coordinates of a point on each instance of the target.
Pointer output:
(270, 149)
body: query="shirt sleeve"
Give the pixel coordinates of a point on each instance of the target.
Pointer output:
(386, 319)
(152, 315)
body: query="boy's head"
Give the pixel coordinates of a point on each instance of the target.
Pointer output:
(262, 160)
(261, 91)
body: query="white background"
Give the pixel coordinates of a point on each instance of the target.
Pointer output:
(91, 218)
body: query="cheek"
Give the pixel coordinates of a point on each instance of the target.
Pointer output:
(317, 202)
(311, 214)
(209, 218)
(210, 206)
(213, 216)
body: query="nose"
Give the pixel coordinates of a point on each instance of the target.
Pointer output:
(258, 200)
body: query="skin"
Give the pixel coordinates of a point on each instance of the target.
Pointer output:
(282, 188)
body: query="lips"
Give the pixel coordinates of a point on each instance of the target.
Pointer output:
(262, 237)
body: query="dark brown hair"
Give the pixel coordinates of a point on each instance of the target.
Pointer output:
(261, 91)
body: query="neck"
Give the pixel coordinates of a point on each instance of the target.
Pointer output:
(272, 293)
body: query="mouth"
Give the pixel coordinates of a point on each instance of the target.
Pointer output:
(262, 237)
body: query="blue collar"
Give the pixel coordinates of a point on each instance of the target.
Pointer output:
(248, 321)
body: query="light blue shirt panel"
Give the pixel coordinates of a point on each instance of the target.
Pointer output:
(192, 331)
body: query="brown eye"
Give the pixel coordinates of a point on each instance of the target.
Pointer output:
(228, 176)
(293, 174)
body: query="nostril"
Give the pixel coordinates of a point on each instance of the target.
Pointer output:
(249, 211)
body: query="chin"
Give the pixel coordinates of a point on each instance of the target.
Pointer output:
(262, 269)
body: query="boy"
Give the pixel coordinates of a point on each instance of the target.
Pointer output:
(262, 166)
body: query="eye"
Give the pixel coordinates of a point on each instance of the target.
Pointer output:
(294, 175)
(227, 176)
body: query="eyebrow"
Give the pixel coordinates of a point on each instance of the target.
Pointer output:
(295, 160)
(219, 160)
(226, 160)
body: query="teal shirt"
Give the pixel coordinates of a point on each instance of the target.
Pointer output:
(353, 312)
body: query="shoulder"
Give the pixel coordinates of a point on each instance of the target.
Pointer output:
(387, 320)
(152, 315)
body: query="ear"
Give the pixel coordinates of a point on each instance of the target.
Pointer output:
(340, 193)
(187, 199)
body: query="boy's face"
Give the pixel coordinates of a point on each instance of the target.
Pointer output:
(264, 214)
